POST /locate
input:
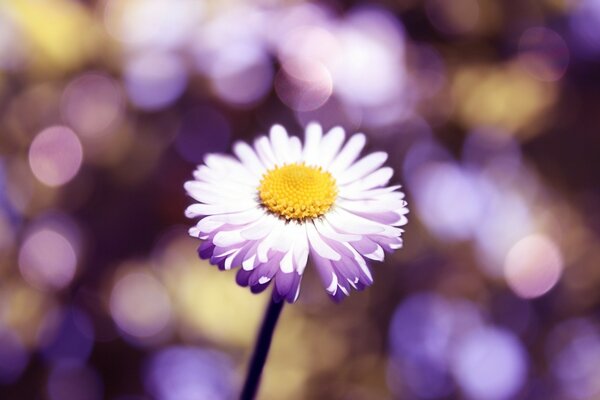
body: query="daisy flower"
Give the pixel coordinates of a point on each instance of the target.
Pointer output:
(281, 202)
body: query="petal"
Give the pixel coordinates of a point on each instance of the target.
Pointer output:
(295, 150)
(265, 152)
(375, 179)
(228, 238)
(318, 244)
(312, 142)
(325, 229)
(249, 158)
(372, 194)
(264, 272)
(280, 144)
(260, 229)
(326, 273)
(242, 277)
(275, 240)
(344, 221)
(363, 167)
(348, 154)
(198, 209)
(284, 283)
(301, 248)
(217, 193)
(330, 145)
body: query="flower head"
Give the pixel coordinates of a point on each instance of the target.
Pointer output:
(282, 202)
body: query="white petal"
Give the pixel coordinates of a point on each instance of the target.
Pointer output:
(312, 142)
(326, 230)
(362, 167)
(301, 248)
(330, 145)
(343, 221)
(214, 193)
(295, 150)
(287, 262)
(348, 154)
(229, 260)
(198, 210)
(249, 158)
(223, 252)
(232, 177)
(279, 143)
(332, 288)
(263, 279)
(265, 152)
(285, 240)
(273, 241)
(372, 206)
(378, 178)
(260, 229)
(360, 261)
(249, 263)
(207, 225)
(228, 238)
(224, 188)
(384, 192)
(318, 245)
(238, 218)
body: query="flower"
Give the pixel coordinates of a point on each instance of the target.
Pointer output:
(280, 202)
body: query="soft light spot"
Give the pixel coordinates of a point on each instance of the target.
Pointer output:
(297, 191)
(533, 266)
(304, 85)
(181, 372)
(543, 53)
(92, 104)
(47, 259)
(453, 18)
(55, 156)
(154, 79)
(490, 364)
(140, 305)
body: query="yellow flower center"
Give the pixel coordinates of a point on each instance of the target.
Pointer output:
(297, 191)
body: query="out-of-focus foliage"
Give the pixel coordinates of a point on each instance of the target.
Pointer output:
(489, 111)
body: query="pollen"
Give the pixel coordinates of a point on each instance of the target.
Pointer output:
(297, 191)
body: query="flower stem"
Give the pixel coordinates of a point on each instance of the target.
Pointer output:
(261, 350)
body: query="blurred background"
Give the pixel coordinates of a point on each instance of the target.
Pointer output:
(490, 112)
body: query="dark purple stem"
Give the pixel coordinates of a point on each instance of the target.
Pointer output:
(261, 350)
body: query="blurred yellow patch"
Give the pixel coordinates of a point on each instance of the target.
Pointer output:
(207, 301)
(506, 97)
(62, 34)
(22, 309)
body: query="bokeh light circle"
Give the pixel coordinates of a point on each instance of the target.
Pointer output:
(241, 74)
(48, 258)
(154, 80)
(188, 373)
(92, 103)
(533, 266)
(55, 155)
(456, 17)
(544, 53)
(304, 85)
(490, 364)
(140, 305)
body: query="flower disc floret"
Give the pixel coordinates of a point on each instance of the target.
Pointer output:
(297, 191)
